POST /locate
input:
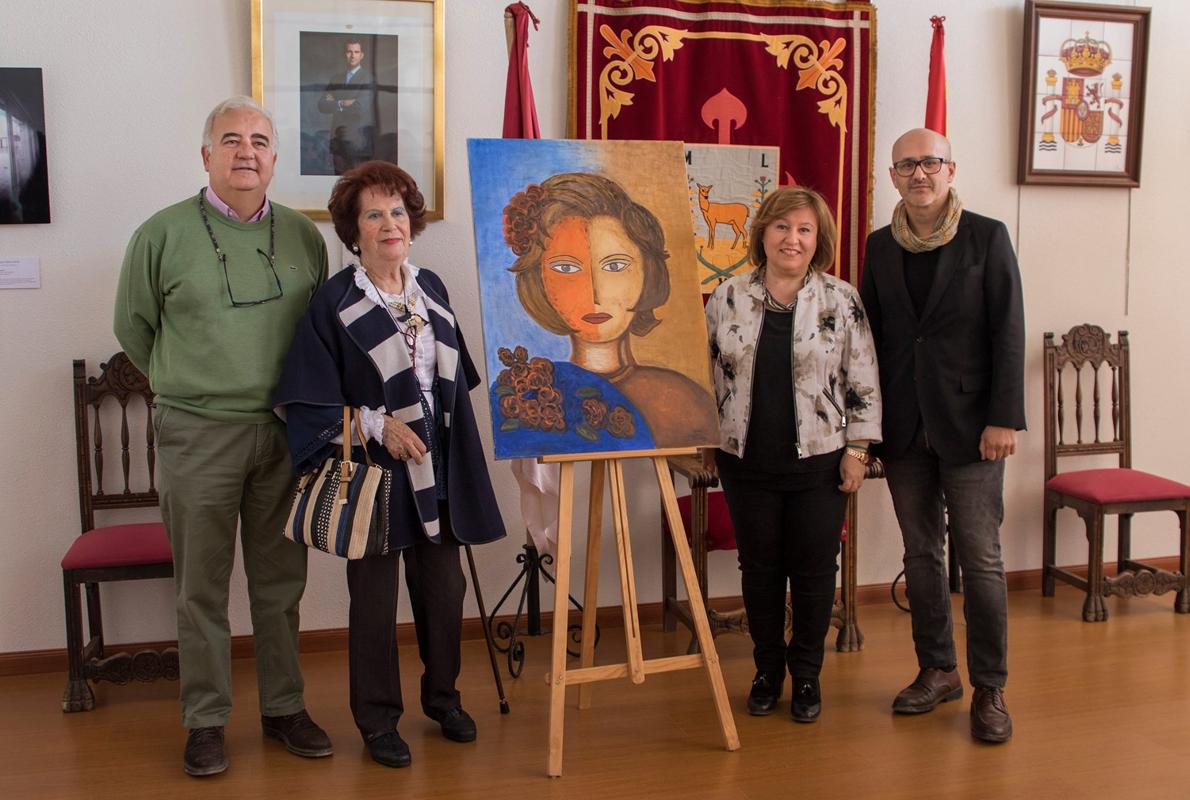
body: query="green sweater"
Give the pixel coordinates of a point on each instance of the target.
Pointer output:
(177, 324)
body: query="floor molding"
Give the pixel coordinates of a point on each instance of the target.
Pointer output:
(25, 662)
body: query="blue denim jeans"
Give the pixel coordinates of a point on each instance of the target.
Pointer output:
(973, 495)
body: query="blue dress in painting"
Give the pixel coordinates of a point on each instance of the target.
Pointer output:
(543, 407)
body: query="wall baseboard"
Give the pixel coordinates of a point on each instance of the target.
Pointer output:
(25, 662)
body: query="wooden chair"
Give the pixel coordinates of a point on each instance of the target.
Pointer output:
(116, 552)
(708, 527)
(1095, 493)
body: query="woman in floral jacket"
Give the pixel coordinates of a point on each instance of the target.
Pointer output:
(799, 403)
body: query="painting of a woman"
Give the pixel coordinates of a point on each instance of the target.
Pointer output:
(591, 265)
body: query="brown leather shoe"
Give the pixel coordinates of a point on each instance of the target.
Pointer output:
(204, 752)
(301, 736)
(931, 687)
(989, 716)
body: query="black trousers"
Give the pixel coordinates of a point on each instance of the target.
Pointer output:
(436, 590)
(787, 531)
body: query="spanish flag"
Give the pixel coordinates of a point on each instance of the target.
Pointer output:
(936, 94)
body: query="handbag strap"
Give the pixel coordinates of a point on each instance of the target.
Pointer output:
(359, 428)
(350, 415)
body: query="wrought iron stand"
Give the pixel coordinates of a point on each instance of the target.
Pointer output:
(507, 635)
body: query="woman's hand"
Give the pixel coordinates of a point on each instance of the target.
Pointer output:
(401, 442)
(852, 472)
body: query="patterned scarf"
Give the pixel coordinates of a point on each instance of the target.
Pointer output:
(943, 233)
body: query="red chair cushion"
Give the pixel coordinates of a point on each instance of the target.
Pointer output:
(119, 546)
(1116, 486)
(720, 533)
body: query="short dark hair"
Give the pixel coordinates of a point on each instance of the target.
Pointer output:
(780, 203)
(344, 202)
(530, 217)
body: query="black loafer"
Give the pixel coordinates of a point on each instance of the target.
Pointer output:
(204, 752)
(762, 699)
(457, 725)
(390, 750)
(807, 700)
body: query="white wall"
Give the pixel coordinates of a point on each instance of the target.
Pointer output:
(128, 85)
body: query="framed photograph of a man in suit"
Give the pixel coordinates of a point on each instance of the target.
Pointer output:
(349, 81)
(348, 100)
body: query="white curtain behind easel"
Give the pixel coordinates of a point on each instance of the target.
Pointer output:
(539, 501)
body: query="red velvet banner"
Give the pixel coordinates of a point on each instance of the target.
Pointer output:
(796, 74)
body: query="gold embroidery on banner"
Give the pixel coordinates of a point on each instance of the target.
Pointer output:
(633, 56)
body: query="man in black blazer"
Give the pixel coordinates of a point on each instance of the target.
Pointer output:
(943, 295)
(350, 99)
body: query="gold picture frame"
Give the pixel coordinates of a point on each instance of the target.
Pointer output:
(347, 81)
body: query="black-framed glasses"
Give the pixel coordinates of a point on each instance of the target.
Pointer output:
(246, 303)
(930, 165)
(270, 257)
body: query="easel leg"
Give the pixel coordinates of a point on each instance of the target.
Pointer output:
(487, 631)
(557, 674)
(702, 629)
(591, 584)
(636, 668)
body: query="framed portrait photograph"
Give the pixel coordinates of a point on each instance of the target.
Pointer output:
(349, 81)
(1083, 94)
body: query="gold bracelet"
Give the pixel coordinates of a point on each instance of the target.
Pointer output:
(860, 455)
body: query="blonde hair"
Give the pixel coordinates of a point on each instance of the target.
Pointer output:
(780, 203)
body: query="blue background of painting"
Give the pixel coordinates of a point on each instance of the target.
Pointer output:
(499, 169)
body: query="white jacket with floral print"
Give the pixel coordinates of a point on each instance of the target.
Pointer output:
(837, 385)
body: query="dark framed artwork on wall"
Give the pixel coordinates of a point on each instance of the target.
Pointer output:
(24, 162)
(1082, 94)
(348, 81)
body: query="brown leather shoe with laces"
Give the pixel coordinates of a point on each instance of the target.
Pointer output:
(301, 736)
(989, 716)
(204, 752)
(931, 687)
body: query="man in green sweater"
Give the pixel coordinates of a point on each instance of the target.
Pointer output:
(210, 294)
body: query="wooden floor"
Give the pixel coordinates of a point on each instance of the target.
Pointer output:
(1100, 710)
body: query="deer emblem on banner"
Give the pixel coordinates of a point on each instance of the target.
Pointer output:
(715, 214)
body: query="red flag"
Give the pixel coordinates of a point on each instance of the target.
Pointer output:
(936, 95)
(520, 113)
(537, 482)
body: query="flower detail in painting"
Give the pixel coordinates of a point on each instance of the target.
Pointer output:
(528, 397)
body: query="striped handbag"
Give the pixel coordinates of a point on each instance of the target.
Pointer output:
(341, 507)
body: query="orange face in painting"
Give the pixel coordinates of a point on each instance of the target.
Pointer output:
(593, 275)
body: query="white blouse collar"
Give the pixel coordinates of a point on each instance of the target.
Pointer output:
(408, 277)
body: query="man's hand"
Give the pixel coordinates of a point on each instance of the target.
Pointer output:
(347, 103)
(997, 443)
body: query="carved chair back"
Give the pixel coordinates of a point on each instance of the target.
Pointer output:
(1075, 406)
(121, 382)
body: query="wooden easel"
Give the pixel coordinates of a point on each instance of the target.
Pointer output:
(636, 667)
